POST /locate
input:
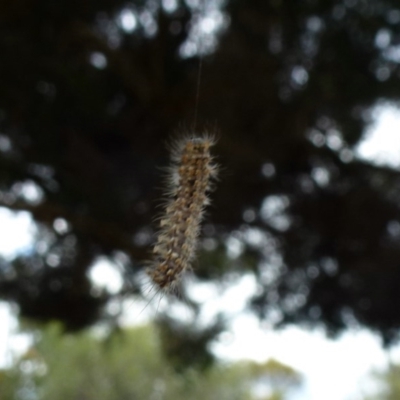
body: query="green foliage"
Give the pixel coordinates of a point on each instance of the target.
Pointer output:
(9, 381)
(278, 378)
(389, 383)
(278, 374)
(127, 365)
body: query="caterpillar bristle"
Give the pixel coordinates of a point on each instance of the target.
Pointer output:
(188, 183)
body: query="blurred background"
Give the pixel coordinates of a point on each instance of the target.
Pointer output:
(295, 293)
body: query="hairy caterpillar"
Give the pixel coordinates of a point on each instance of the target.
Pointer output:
(188, 183)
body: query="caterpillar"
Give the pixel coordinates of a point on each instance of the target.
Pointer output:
(189, 181)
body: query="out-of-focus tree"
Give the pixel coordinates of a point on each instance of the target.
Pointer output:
(274, 377)
(388, 382)
(9, 383)
(91, 90)
(127, 365)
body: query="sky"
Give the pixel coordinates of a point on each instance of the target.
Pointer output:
(332, 369)
(381, 144)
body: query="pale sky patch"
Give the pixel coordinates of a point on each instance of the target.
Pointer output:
(381, 143)
(16, 232)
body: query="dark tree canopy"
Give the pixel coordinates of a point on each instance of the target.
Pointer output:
(87, 107)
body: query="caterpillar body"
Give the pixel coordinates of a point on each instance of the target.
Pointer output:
(189, 180)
